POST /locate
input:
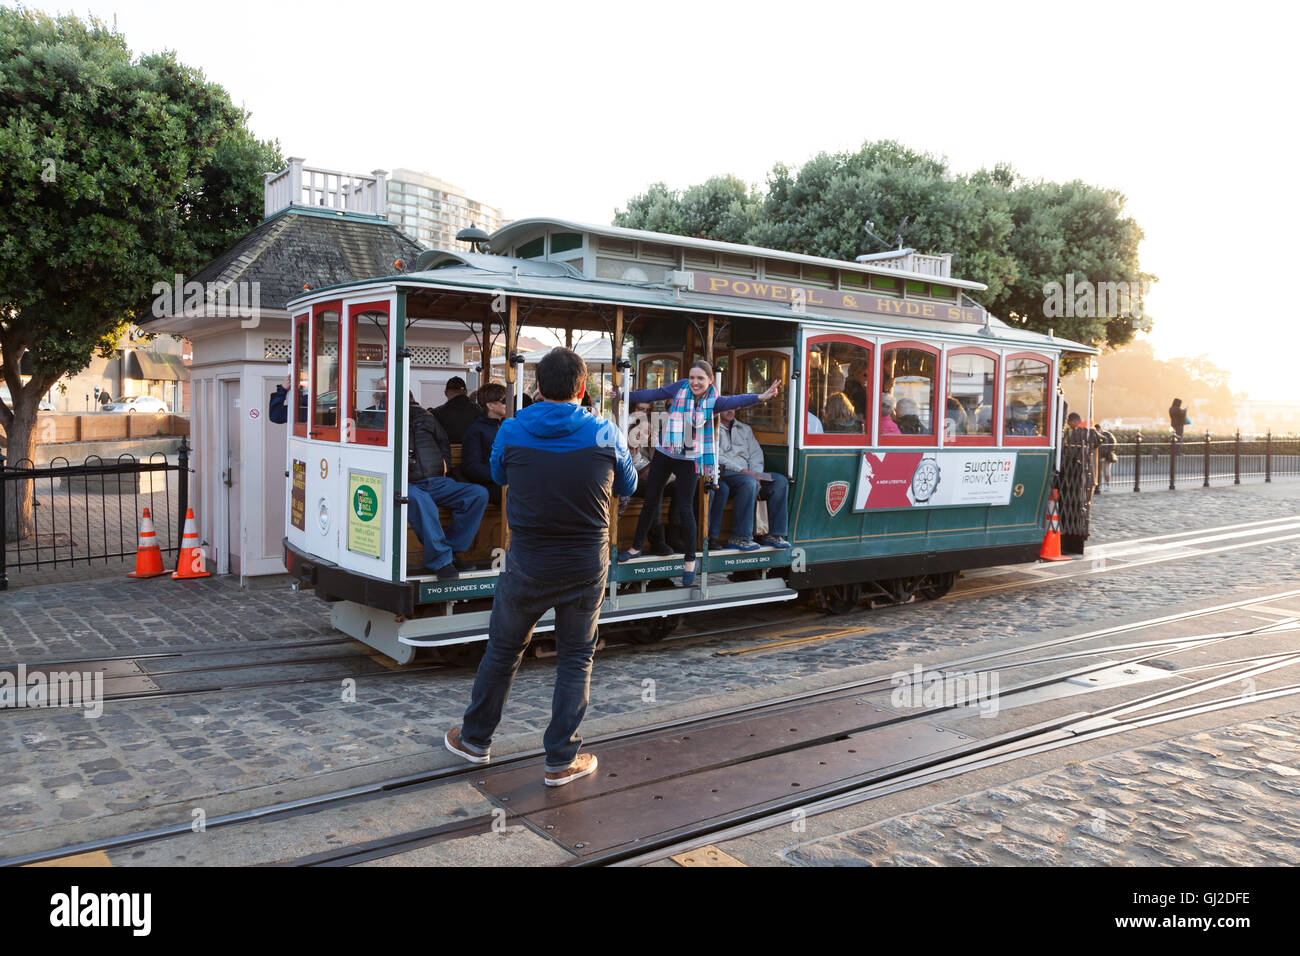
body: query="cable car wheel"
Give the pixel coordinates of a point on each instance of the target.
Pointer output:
(840, 598)
(935, 586)
(652, 630)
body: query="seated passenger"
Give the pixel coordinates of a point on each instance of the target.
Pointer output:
(839, 415)
(458, 412)
(857, 390)
(955, 421)
(642, 452)
(887, 424)
(429, 488)
(1018, 422)
(476, 452)
(814, 426)
(740, 464)
(374, 417)
(909, 421)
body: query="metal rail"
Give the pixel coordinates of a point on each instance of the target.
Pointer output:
(369, 791)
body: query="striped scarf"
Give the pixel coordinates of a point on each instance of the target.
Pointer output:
(689, 431)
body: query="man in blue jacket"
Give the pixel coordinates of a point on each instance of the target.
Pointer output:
(563, 467)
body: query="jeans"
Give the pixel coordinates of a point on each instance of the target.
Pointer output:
(519, 603)
(655, 536)
(467, 504)
(746, 491)
(661, 466)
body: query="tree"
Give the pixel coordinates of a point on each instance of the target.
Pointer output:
(115, 173)
(1012, 235)
(1072, 229)
(723, 208)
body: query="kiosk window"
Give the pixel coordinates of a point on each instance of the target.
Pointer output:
(839, 391)
(971, 399)
(908, 383)
(368, 382)
(1028, 392)
(325, 376)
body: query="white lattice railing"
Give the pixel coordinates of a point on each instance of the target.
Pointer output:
(299, 185)
(939, 266)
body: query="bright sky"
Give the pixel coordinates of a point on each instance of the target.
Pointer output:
(569, 109)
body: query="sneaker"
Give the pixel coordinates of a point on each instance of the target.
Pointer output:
(582, 765)
(447, 572)
(463, 566)
(717, 544)
(775, 541)
(628, 555)
(743, 544)
(453, 742)
(688, 578)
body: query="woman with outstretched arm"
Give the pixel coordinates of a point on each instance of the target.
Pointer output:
(686, 448)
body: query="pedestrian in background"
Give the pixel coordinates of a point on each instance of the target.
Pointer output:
(563, 466)
(1108, 456)
(1178, 419)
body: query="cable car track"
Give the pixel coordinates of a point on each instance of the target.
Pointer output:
(1028, 740)
(1166, 542)
(413, 782)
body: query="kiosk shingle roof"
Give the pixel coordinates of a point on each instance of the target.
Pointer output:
(304, 246)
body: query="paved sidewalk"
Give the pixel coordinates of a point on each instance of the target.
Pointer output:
(167, 756)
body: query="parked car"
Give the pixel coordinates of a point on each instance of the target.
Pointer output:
(138, 403)
(44, 405)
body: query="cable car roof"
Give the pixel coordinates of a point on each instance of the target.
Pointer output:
(512, 232)
(478, 272)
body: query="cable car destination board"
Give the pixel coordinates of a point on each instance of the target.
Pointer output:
(808, 297)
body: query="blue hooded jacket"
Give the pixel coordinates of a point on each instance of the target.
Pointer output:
(563, 466)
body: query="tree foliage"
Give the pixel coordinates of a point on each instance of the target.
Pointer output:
(1013, 235)
(115, 172)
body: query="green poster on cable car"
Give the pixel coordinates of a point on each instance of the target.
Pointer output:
(365, 526)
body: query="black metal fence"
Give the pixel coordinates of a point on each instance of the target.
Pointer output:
(1200, 462)
(91, 511)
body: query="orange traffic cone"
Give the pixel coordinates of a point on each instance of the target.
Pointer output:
(190, 562)
(148, 557)
(1051, 550)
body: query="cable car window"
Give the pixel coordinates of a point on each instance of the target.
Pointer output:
(971, 397)
(838, 400)
(302, 373)
(908, 384)
(368, 381)
(757, 372)
(1028, 395)
(660, 370)
(325, 375)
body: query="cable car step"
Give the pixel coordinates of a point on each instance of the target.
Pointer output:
(442, 629)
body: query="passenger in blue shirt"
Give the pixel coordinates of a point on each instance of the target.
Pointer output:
(564, 468)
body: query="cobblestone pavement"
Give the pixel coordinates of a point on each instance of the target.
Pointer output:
(1223, 797)
(167, 754)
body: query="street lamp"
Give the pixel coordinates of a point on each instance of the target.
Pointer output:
(1092, 378)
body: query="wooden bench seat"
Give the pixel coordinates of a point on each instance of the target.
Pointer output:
(489, 537)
